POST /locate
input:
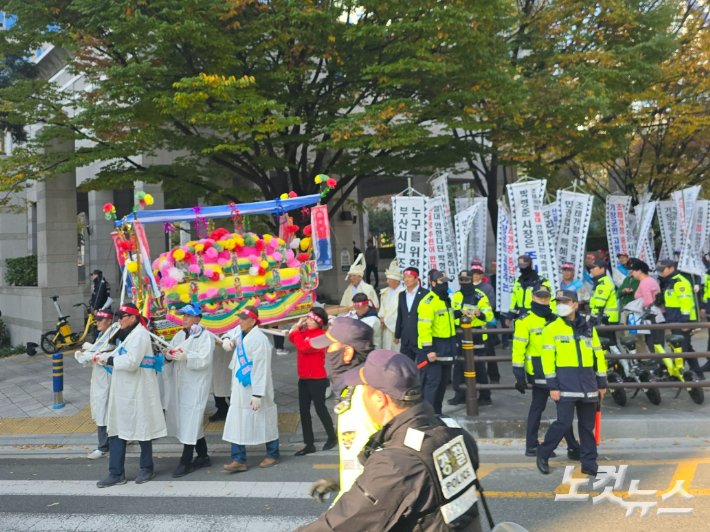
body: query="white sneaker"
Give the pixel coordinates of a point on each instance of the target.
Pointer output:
(96, 454)
(281, 352)
(328, 392)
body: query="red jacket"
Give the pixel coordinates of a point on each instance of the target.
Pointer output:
(311, 361)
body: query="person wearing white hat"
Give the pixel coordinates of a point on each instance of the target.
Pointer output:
(390, 305)
(358, 286)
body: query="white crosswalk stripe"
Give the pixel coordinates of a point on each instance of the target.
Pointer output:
(233, 489)
(21, 522)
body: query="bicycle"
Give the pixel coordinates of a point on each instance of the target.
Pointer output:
(673, 369)
(630, 370)
(62, 337)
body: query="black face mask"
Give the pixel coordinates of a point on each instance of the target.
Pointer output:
(467, 289)
(541, 310)
(441, 290)
(337, 368)
(122, 334)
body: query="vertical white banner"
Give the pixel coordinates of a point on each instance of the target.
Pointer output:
(440, 189)
(478, 237)
(667, 222)
(551, 215)
(506, 258)
(409, 216)
(529, 227)
(575, 216)
(618, 231)
(644, 241)
(690, 254)
(463, 223)
(441, 249)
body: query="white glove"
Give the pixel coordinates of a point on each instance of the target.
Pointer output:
(80, 357)
(86, 346)
(178, 354)
(255, 403)
(102, 358)
(227, 345)
(696, 288)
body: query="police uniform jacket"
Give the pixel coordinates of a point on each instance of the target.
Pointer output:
(399, 490)
(679, 299)
(478, 299)
(436, 329)
(573, 359)
(603, 306)
(527, 348)
(521, 298)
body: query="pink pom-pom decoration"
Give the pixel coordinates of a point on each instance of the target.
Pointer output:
(289, 254)
(253, 258)
(293, 263)
(277, 256)
(211, 254)
(194, 268)
(156, 263)
(222, 262)
(225, 255)
(168, 282)
(209, 272)
(212, 293)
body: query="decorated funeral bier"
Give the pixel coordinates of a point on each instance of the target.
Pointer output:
(224, 269)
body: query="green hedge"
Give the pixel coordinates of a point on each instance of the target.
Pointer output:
(21, 271)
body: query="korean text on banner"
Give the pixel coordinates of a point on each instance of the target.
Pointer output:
(690, 254)
(322, 248)
(440, 189)
(463, 222)
(410, 237)
(667, 220)
(441, 249)
(575, 217)
(506, 258)
(618, 231)
(685, 203)
(551, 215)
(529, 227)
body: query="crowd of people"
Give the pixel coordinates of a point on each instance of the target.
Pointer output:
(388, 361)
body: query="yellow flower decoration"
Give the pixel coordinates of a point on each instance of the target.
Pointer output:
(199, 247)
(264, 264)
(284, 196)
(179, 254)
(267, 238)
(318, 180)
(305, 242)
(229, 244)
(132, 266)
(148, 199)
(239, 240)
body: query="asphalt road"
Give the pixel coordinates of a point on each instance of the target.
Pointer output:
(53, 490)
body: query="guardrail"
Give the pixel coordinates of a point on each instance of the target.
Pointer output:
(472, 387)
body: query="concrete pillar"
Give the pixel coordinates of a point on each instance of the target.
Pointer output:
(102, 255)
(154, 232)
(13, 237)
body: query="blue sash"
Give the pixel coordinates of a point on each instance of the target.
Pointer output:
(575, 285)
(243, 373)
(623, 270)
(155, 362)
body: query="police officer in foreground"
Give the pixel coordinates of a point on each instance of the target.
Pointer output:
(437, 339)
(527, 362)
(575, 371)
(679, 301)
(419, 471)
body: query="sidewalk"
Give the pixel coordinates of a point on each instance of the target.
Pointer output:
(26, 400)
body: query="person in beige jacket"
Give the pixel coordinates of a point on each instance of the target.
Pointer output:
(358, 286)
(389, 305)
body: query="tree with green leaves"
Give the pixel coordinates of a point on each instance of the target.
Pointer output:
(264, 93)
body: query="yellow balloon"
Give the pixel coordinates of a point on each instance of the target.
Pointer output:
(132, 266)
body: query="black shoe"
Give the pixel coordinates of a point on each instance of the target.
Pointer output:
(588, 471)
(542, 465)
(573, 454)
(218, 416)
(485, 402)
(495, 381)
(110, 481)
(705, 367)
(308, 449)
(700, 375)
(201, 461)
(144, 476)
(181, 470)
(330, 444)
(456, 401)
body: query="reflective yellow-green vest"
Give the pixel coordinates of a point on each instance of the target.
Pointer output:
(521, 298)
(527, 348)
(679, 300)
(435, 320)
(483, 305)
(603, 301)
(573, 361)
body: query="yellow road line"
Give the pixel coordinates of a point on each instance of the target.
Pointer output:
(325, 466)
(484, 469)
(685, 471)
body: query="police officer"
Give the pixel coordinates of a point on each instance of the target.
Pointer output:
(472, 302)
(419, 471)
(603, 305)
(575, 370)
(680, 305)
(527, 362)
(347, 343)
(521, 299)
(437, 339)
